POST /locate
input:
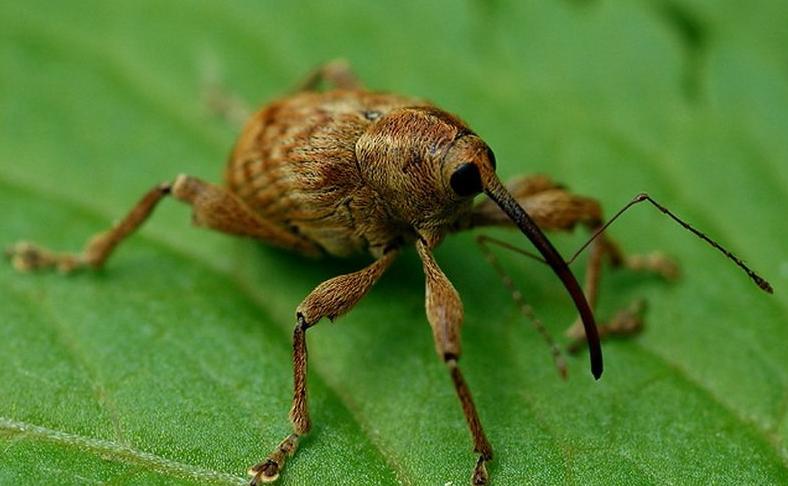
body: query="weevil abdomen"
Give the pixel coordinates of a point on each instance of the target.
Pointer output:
(295, 165)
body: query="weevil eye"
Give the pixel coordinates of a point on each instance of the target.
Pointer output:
(466, 180)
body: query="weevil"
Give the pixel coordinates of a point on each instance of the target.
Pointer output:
(347, 170)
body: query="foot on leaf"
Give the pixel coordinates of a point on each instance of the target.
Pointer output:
(626, 322)
(655, 262)
(264, 472)
(268, 470)
(480, 476)
(27, 257)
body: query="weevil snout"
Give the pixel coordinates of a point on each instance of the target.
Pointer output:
(498, 193)
(470, 168)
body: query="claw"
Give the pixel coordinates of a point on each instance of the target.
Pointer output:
(656, 262)
(626, 322)
(26, 257)
(480, 476)
(265, 472)
(268, 470)
(629, 320)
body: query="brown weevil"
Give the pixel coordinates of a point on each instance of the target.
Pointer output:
(347, 170)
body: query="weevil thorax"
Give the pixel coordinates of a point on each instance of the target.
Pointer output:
(425, 165)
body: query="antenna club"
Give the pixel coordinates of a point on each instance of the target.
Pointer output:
(763, 284)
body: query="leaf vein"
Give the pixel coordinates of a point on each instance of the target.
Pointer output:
(73, 348)
(117, 452)
(771, 439)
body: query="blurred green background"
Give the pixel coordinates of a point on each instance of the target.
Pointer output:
(172, 365)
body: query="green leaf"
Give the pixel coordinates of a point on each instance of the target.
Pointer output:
(172, 365)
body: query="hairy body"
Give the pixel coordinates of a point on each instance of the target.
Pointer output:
(295, 164)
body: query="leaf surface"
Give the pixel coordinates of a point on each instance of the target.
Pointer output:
(172, 365)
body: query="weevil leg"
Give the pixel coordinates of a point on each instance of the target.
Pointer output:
(625, 322)
(554, 208)
(487, 213)
(224, 104)
(217, 98)
(444, 312)
(330, 299)
(525, 309)
(213, 207)
(337, 73)
(235, 110)
(27, 256)
(219, 209)
(558, 209)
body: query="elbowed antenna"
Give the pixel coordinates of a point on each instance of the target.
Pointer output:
(498, 193)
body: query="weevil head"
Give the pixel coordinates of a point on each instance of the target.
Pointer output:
(426, 165)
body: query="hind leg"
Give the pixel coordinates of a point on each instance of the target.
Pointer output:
(226, 105)
(337, 74)
(213, 207)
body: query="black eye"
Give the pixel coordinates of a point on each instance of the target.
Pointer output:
(466, 180)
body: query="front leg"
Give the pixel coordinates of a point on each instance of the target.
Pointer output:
(444, 312)
(554, 208)
(330, 299)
